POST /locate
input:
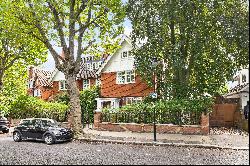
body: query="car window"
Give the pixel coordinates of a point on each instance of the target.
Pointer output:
(37, 122)
(49, 123)
(25, 122)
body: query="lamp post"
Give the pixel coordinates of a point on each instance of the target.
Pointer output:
(154, 64)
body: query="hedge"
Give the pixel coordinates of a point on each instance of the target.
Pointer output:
(31, 107)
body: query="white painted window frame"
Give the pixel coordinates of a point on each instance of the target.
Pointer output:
(128, 55)
(37, 92)
(62, 85)
(86, 85)
(126, 74)
(123, 53)
(98, 82)
(133, 100)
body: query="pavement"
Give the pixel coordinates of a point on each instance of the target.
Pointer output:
(220, 138)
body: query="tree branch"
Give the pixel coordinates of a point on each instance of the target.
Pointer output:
(12, 62)
(81, 51)
(43, 39)
(88, 23)
(71, 28)
(59, 28)
(81, 8)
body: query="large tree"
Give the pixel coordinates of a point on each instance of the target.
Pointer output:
(199, 43)
(79, 27)
(16, 48)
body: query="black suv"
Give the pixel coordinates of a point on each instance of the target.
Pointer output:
(4, 124)
(41, 129)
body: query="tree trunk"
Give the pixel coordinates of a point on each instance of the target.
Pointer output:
(75, 115)
(1, 79)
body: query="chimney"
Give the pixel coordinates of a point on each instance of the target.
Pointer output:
(62, 55)
(30, 72)
(105, 56)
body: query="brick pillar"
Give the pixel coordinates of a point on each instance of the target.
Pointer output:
(205, 123)
(97, 119)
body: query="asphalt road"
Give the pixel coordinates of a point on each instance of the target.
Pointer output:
(38, 153)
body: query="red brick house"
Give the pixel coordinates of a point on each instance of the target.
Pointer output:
(120, 84)
(38, 83)
(48, 84)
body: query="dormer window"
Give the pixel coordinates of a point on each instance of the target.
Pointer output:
(100, 64)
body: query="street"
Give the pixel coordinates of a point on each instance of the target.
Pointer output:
(34, 153)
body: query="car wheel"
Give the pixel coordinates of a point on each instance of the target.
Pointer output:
(5, 131)
(49, 139)
(17, 136)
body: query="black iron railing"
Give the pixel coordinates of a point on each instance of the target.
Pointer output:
(176, 118)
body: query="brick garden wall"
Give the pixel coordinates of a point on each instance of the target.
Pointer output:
(203, 128)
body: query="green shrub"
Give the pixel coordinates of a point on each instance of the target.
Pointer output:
(62, 98)
(31, 107)
(88, 103)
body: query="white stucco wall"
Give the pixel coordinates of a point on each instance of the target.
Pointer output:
(244, 99)
(58, 76)
(116, 63)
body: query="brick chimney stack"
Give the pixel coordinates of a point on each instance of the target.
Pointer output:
(62, 54)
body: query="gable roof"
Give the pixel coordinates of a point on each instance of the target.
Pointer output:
(85, 74)
(42, 77)
(124, 38)
(238, 89)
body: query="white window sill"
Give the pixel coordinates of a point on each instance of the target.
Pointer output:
(63, 89)
(125, 83)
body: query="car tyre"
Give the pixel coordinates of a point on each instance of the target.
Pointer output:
(17, 136)
(49, 139)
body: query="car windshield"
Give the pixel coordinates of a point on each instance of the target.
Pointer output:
(50, 123)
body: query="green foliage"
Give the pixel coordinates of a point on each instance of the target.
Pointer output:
(62, 98)
(16, 47)
(78, 27)
(31, 107)
(15, 80)
(88, 103)
(178, 111)
(87, 99)
(199, 44)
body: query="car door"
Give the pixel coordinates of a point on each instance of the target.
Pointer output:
(23, 127)
(38, 129)
(30, 133)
